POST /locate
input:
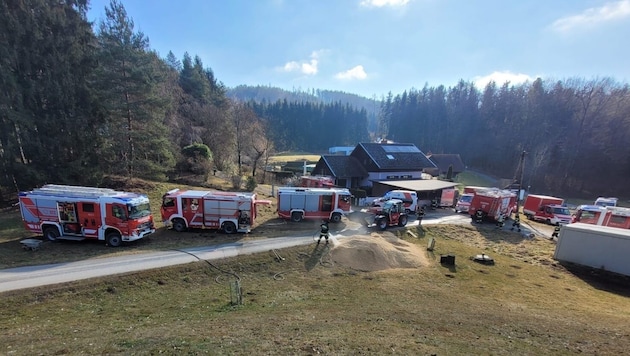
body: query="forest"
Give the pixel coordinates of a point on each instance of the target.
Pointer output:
(573, 132)
(83, 100)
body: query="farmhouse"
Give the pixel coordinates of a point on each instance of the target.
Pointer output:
(379, 167)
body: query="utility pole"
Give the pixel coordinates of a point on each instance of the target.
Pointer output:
(519, 173)
(520, 179)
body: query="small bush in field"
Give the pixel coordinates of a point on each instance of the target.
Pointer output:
(237, 181)
(251, 184)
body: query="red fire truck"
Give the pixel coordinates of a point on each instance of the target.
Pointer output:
(547, 209)
(314, 203)
(64, 212)
(613, 216)
(493, 203)
(317, 182)
(228, 211)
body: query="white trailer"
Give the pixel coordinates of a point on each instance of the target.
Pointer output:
(595, 246)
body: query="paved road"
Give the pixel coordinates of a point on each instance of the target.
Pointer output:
(34, 276)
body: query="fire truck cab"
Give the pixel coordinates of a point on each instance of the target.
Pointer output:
(63, 212)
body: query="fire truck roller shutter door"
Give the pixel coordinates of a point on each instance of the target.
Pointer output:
(312, 203)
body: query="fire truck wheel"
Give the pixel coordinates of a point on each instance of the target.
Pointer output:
(402, 221)
(113, 239)
(51, 233)
(382, 223)
(229, 227)
(336, 217)
(179, 225)
(296, 216)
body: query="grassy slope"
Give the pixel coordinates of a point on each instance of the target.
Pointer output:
(307, 305)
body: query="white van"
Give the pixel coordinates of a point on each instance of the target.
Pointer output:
(601, 201)
(408, 197)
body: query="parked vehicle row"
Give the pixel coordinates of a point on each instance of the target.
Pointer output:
(81, 213)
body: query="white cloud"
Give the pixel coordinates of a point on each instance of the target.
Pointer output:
(382, 3)
(305, 67)
(354, 73)
(590, 17)
(501, 78)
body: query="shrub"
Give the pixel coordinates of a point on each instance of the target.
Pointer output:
(197, 150)
(197, 159)
(237, 181)
(251, 184)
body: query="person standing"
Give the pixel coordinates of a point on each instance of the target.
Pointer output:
(420, 215)
(323, 232)
(479, 216)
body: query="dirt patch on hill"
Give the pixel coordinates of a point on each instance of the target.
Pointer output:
(377, 252)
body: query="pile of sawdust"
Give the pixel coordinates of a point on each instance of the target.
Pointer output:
(377, 252)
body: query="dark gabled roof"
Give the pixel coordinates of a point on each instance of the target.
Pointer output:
(397, 156)
(344, 166)
(443, 161)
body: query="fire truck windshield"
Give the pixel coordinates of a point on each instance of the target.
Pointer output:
(561, 211)
(138, 211)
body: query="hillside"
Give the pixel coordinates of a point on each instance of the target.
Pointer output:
(270, 94)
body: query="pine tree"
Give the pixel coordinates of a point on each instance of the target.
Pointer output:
(131, 77)
(48, 114)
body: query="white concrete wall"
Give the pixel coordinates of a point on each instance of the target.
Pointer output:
(367, 182)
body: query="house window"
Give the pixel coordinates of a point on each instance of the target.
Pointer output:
(390, 156)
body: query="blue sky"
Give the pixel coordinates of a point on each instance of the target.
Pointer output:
(372, 47)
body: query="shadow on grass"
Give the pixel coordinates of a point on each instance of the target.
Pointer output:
(61, 251)
(315, 256)
(506, 233)
(600, 279)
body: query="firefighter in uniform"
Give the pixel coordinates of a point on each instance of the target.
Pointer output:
(500, 221)
(516, 223)
(556, 231)
(479, 216)
(323, 232)
(420, 214)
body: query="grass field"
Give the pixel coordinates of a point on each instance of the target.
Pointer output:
(474, 179)
(306, 305)
(294, 157)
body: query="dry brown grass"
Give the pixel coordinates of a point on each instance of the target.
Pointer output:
(294, 157)
(308, 304)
